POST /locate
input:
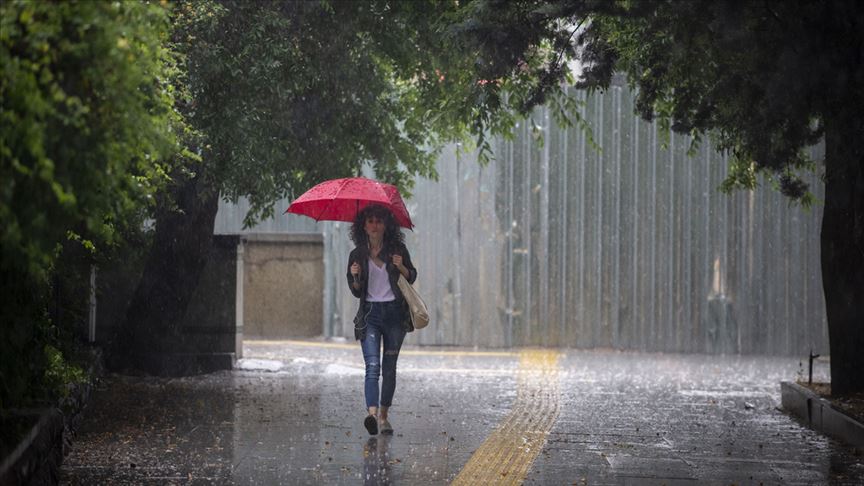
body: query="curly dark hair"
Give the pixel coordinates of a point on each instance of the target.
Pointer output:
(393, 236)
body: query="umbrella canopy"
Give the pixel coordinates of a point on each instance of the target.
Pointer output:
(342, 199)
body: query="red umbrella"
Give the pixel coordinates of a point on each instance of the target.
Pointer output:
(342, 199)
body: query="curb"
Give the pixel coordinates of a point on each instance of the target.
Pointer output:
(818, 414)
(38, 456)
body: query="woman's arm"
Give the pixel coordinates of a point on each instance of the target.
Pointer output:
(354, 284)
(407, 270)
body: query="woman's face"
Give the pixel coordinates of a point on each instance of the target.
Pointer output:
(374, 227)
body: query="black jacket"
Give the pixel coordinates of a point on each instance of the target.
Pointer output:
(361, 256)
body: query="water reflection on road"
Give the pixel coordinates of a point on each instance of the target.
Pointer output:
(376, 460)
(295, 415)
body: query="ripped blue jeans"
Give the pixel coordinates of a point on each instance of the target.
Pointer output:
(383, 325)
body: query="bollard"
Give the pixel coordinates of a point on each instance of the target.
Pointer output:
(812, 357)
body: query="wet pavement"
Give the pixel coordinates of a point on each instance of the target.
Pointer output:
(293, 415)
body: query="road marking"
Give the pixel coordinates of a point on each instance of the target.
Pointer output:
(414, 352)
(510, 450)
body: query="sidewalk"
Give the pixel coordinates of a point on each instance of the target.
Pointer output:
(294, 416)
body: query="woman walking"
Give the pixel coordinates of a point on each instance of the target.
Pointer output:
(374, 266)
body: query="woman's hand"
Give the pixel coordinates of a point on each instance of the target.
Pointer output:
(397, 262)
(355, 272)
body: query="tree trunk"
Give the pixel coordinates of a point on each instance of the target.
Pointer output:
(842, 241)
(182, 242)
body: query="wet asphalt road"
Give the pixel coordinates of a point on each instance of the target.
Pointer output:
(293, 415)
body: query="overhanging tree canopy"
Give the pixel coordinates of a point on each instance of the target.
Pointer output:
(282, 96)
(87, 134)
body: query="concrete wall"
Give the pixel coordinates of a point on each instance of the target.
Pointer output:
(283, 284)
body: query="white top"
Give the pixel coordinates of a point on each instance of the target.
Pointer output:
(379, 284)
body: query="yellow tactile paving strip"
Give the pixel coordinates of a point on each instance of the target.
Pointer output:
(507, 454)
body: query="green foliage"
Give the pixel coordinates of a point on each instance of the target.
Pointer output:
(23, 333)
(519, 55)
(287, 94)
(741, 71)
(742, 175)
(34, 364)
(60, 373)
(87, 122)
(88, 132)
(758, 77)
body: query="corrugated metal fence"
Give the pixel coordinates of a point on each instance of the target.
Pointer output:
(631, 247)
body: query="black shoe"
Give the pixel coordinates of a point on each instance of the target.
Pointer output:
(371, 424)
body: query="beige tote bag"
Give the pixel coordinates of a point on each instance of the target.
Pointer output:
(419, 313)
